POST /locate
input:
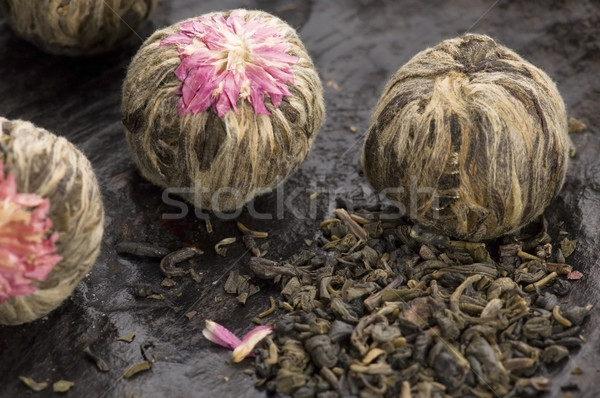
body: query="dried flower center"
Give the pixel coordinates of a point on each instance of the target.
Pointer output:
(224, 60)
(236, 55)
(27, 248)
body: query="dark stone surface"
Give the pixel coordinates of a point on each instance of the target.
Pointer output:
(356, 45)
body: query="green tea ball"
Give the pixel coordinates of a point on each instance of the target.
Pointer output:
(469, 139)
(51, 220)
(222, 107)
(76, 27)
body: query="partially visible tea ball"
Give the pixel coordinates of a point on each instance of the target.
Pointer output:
(46, 167)
(76, 27)
(222, 107)
(469, 139)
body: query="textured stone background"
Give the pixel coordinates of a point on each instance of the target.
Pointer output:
(356, 45)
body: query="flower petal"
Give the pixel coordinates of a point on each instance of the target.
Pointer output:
(27, 247)
(224, 60)
(220, 335)
(250, 340)
(574, 275)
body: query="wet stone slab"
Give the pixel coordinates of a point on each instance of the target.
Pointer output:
(356, 45)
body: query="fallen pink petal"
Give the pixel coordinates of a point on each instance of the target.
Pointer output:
(574, 275)
(222, 336)
(224, 60)
(27, 247)
(250, 340)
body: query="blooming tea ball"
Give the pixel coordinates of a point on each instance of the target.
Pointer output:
(222, 107)
(51, 220)
(76, 27)
(469, 139)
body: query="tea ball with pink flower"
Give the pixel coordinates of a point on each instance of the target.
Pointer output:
(222, 107)
(76, 27)
(51, 220)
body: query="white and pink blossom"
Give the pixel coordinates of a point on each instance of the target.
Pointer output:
(243, 347)
(27, 248)
(225, 59)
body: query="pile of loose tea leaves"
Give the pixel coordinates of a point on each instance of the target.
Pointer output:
(377, 307)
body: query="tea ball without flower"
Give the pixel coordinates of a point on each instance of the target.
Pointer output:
(51, 220)
(76, 27)
(222, 107)
(469, 139)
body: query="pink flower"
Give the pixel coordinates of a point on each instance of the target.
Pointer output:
(226, 59)
(574, 275)
(27, 251)
(220, 335)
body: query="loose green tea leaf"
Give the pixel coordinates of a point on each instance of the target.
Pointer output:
(137, 368)
(62, 386)
(100, 363)
(128, 338)
(32, 384)
(448, 318)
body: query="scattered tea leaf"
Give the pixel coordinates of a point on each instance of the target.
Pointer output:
(567, 246)
(356, 229)
(270, 310)
(191, 314)
(144, 290)
(32, 384)
(208, 225)
(62, 386)
(251, 245)
(196, 277)
(137, 368)
(560, 269)
(131, 394)
(167, 264)
(220, 248)
(541, 283)
(141, 249)
(145, 350)
(255, 234)
(100, 363)
(576, 125)
(559, 318)
(240, 285)
(242, 297)
(168, 282)
(128, 338)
